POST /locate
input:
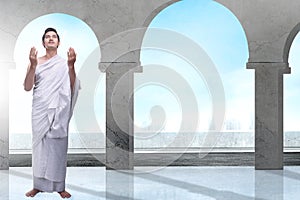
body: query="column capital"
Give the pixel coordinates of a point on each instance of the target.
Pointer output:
(281, 66)
(120, 67)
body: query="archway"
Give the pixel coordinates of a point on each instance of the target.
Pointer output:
(226, 44)
(291, 95)
(73, 32)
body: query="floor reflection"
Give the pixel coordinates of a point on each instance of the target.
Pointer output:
(119, 184)
(142, 183)
(4, 184)
(269, 184)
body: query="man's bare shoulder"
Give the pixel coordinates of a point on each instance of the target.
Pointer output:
(42, 60)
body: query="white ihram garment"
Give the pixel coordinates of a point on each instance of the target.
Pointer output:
(52, 108)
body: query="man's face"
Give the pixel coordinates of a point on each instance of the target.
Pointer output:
(51, 40)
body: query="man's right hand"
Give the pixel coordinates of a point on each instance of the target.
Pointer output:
(33, 57)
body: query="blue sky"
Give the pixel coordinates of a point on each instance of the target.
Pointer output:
(212, 26)
(217, 31)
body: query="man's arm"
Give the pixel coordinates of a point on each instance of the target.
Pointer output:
(30, 75)
(71, 63)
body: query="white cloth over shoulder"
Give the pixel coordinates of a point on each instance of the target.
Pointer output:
(53, 100)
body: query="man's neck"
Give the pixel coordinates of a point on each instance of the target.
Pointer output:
(50, 53)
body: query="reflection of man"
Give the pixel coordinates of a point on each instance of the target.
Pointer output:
(54, 95)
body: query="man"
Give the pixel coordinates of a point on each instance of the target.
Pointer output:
(55, 90)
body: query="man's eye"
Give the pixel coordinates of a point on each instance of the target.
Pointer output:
(49, 36)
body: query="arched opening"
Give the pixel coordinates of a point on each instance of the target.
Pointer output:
(218, 32)
(73, 33)
(291, 96)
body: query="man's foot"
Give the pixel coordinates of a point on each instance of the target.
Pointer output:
(32, 193)
(64, 194)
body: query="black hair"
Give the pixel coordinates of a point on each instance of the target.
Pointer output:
(48, 30)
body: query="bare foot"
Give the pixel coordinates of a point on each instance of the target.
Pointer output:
(32, 193)
(65, 194)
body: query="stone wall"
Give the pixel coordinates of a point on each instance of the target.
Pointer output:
(270, 27)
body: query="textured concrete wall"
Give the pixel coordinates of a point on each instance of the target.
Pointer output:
(109, 19)
(270, 27)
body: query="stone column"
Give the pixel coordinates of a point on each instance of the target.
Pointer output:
(4, 113)
(119, 113)
(269, 114)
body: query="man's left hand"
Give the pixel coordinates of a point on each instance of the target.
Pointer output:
(71, 57)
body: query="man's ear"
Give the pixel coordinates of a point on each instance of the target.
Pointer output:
(58, 44)
(43, 44)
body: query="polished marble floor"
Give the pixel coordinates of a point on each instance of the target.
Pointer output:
(162, 183)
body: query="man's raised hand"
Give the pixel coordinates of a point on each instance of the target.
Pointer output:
(71, 57)
(33, 57)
